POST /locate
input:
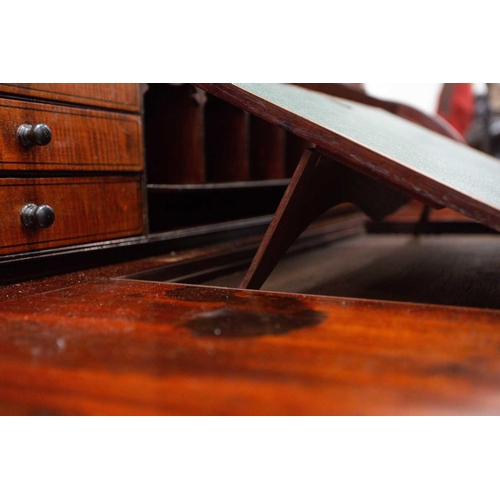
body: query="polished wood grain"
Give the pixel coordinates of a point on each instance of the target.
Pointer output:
(82, 140)
(86, 209)
(119, 96)
(12, 288)
(124, 347)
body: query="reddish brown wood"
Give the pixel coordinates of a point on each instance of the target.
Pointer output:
(317, 185)
(82, 140)
(442, 221)
(267, 150)
(120, 96)
(175, 140)
(411, 212)
(88, 344)
(339, 223)
(86, 208)
(20, 289)
(227, 134)
(149, 348)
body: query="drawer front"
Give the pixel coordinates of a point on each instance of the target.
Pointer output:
(82, 140)
(121, 96)
(86, 209)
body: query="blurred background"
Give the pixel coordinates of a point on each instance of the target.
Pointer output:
(473, 109)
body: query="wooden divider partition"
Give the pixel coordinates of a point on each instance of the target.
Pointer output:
(194, 138)
(267, 150)
(175, 134)
(227, 148)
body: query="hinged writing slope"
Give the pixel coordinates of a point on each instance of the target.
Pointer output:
(409, 157)
(401, 154)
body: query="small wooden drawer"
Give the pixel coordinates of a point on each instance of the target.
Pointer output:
(86, 209)
(120, 96)
(81, 140)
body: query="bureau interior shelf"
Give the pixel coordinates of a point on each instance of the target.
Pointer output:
(176, 206)
(218, 186)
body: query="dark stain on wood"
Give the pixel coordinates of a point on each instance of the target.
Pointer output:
(270, 315)
(234, 323)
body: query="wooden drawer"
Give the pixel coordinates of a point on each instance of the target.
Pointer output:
(82, 140)
(86, 209)
(121, 96)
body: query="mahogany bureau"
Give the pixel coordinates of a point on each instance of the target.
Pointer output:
(394, 323)
(71, 165)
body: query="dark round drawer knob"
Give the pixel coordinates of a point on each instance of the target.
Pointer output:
(37, 216)
(34, 135)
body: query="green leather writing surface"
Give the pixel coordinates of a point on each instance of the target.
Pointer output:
(453, 164)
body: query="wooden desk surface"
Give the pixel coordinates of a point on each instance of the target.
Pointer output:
(407, 156)
(90, 344)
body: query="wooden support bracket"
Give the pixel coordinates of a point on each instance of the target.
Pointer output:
(318, 184)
